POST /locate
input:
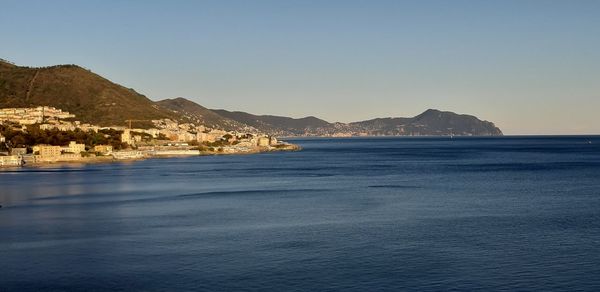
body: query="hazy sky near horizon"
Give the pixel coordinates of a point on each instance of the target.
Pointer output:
(532, 67)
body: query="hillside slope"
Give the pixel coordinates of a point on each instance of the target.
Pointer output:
(432, 123)
(94, 99)
(200, 115)
(429, 123)
(89, 96)
(276, 125)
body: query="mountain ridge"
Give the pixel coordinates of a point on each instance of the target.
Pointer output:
(197, 113)
(274, 124)
(431, 122)
(97, 100)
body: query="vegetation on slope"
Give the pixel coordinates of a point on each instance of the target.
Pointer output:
(90, 97)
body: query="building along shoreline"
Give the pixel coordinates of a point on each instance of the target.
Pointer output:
(131, 155)
(47, 135)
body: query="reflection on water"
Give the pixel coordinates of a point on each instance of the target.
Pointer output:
(344, 214)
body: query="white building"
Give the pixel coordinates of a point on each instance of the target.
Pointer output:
(263, 141)
(74, 147)
(126, 137)
(28, 116)
(13, 160)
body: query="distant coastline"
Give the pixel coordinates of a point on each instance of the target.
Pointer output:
(146, 156)
(66, 113)
(109, 104)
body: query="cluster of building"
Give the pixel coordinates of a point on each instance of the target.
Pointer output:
(33, 115)
(187, 132)
(177, 139)
(69, 126)
(47, 117)
(50, 153)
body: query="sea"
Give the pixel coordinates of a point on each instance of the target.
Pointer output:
(343, 214)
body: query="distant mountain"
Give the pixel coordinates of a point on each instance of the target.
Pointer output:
(89, 96)
(97, 100)
(431, 123)
(276, 125)
(201, 115)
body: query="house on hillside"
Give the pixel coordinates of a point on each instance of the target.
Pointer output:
(103, 149)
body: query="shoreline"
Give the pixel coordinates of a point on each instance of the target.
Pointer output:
(111, 159)
(446, 136)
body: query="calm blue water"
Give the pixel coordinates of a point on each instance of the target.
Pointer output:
(344, 214)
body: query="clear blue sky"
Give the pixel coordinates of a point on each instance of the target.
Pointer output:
(529, 66)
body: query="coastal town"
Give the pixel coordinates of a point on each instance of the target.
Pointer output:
(44, 134)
